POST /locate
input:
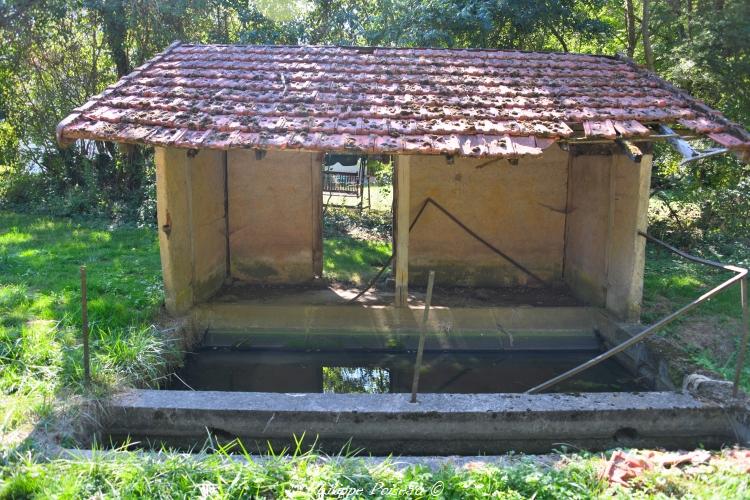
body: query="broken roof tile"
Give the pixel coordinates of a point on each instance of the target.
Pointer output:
(604, 129)
(477, 102)
(729, 141)
(631, 128)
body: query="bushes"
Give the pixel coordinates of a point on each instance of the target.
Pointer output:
(118, 188)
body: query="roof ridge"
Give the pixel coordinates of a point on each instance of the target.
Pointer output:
(111, 88)
(402, 47)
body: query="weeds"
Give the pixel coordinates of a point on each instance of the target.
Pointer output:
(40, 347)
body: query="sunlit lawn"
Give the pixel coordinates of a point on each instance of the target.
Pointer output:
(671, 282)
(353, 260)
(40, 319)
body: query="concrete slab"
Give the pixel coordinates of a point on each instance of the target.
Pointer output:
(464, 424)
(253, 324)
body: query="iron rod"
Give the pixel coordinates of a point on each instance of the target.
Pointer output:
(693, 258)
(422, 335)
(637, 338)
(85, 326)
(745, 334)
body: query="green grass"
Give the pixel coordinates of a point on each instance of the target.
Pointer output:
(353, 260)
(671, 282)
(381, 198)
(308, 475)
(40, 310)
(302, 476)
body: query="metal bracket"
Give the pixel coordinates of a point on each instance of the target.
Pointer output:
(689, 154)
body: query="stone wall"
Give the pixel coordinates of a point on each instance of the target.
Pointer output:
(608, 204)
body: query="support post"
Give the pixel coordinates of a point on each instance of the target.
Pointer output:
(745, 334)
(626, 250)
(402, 212)
(175, 222)
(422, 335)
(85, 328)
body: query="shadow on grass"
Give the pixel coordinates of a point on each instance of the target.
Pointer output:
(709, 336)
(40, 319)
(352, 260)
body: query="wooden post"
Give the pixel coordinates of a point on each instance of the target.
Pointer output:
(744, 340)
(422, 335)
(85, 328)
(402, 213)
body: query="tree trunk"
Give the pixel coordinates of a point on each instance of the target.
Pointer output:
(115, 30)
(647, 50)
(630, 22)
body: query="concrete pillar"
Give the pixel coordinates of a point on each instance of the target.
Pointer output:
(192, 227)
(401, 219)
(604, 255)
(175, 228)
(627, 254)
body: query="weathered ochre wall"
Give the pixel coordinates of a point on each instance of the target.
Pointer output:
(520, 209)
(627, 248)
(274, 216)
(608, 204)
(192, 230)
(209, 223)
(586, 232)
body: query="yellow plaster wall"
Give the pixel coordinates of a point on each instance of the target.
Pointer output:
(273, 211)
(520, 209)
(190, 216)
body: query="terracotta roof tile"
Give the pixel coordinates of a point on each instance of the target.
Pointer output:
(388, 100)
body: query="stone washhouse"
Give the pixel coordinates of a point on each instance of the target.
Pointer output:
(546, 157)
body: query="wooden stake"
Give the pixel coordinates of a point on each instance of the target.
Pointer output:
(744, 340)
(85, 323)
(422, 335)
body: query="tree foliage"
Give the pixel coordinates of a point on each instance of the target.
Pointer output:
(54, 54)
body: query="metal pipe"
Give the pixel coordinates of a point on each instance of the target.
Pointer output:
(85, 325)
(637, 338)
(422, 335)
(745, 333)
(693, 258)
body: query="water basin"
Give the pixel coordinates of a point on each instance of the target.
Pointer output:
(375, 372)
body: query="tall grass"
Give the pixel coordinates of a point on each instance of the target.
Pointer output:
(299, 475)
(40, 320)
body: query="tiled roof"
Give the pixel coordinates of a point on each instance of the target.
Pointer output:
(384, 100)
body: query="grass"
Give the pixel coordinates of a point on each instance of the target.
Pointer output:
(355, 244)
(381, 198)
(309, 475)
(40, 319)
(709, 336)
(353, 260)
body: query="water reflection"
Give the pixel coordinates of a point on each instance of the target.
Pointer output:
(342, 379)
(392, 371)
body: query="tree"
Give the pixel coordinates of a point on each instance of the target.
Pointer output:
(646, 33)
(630, 23)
